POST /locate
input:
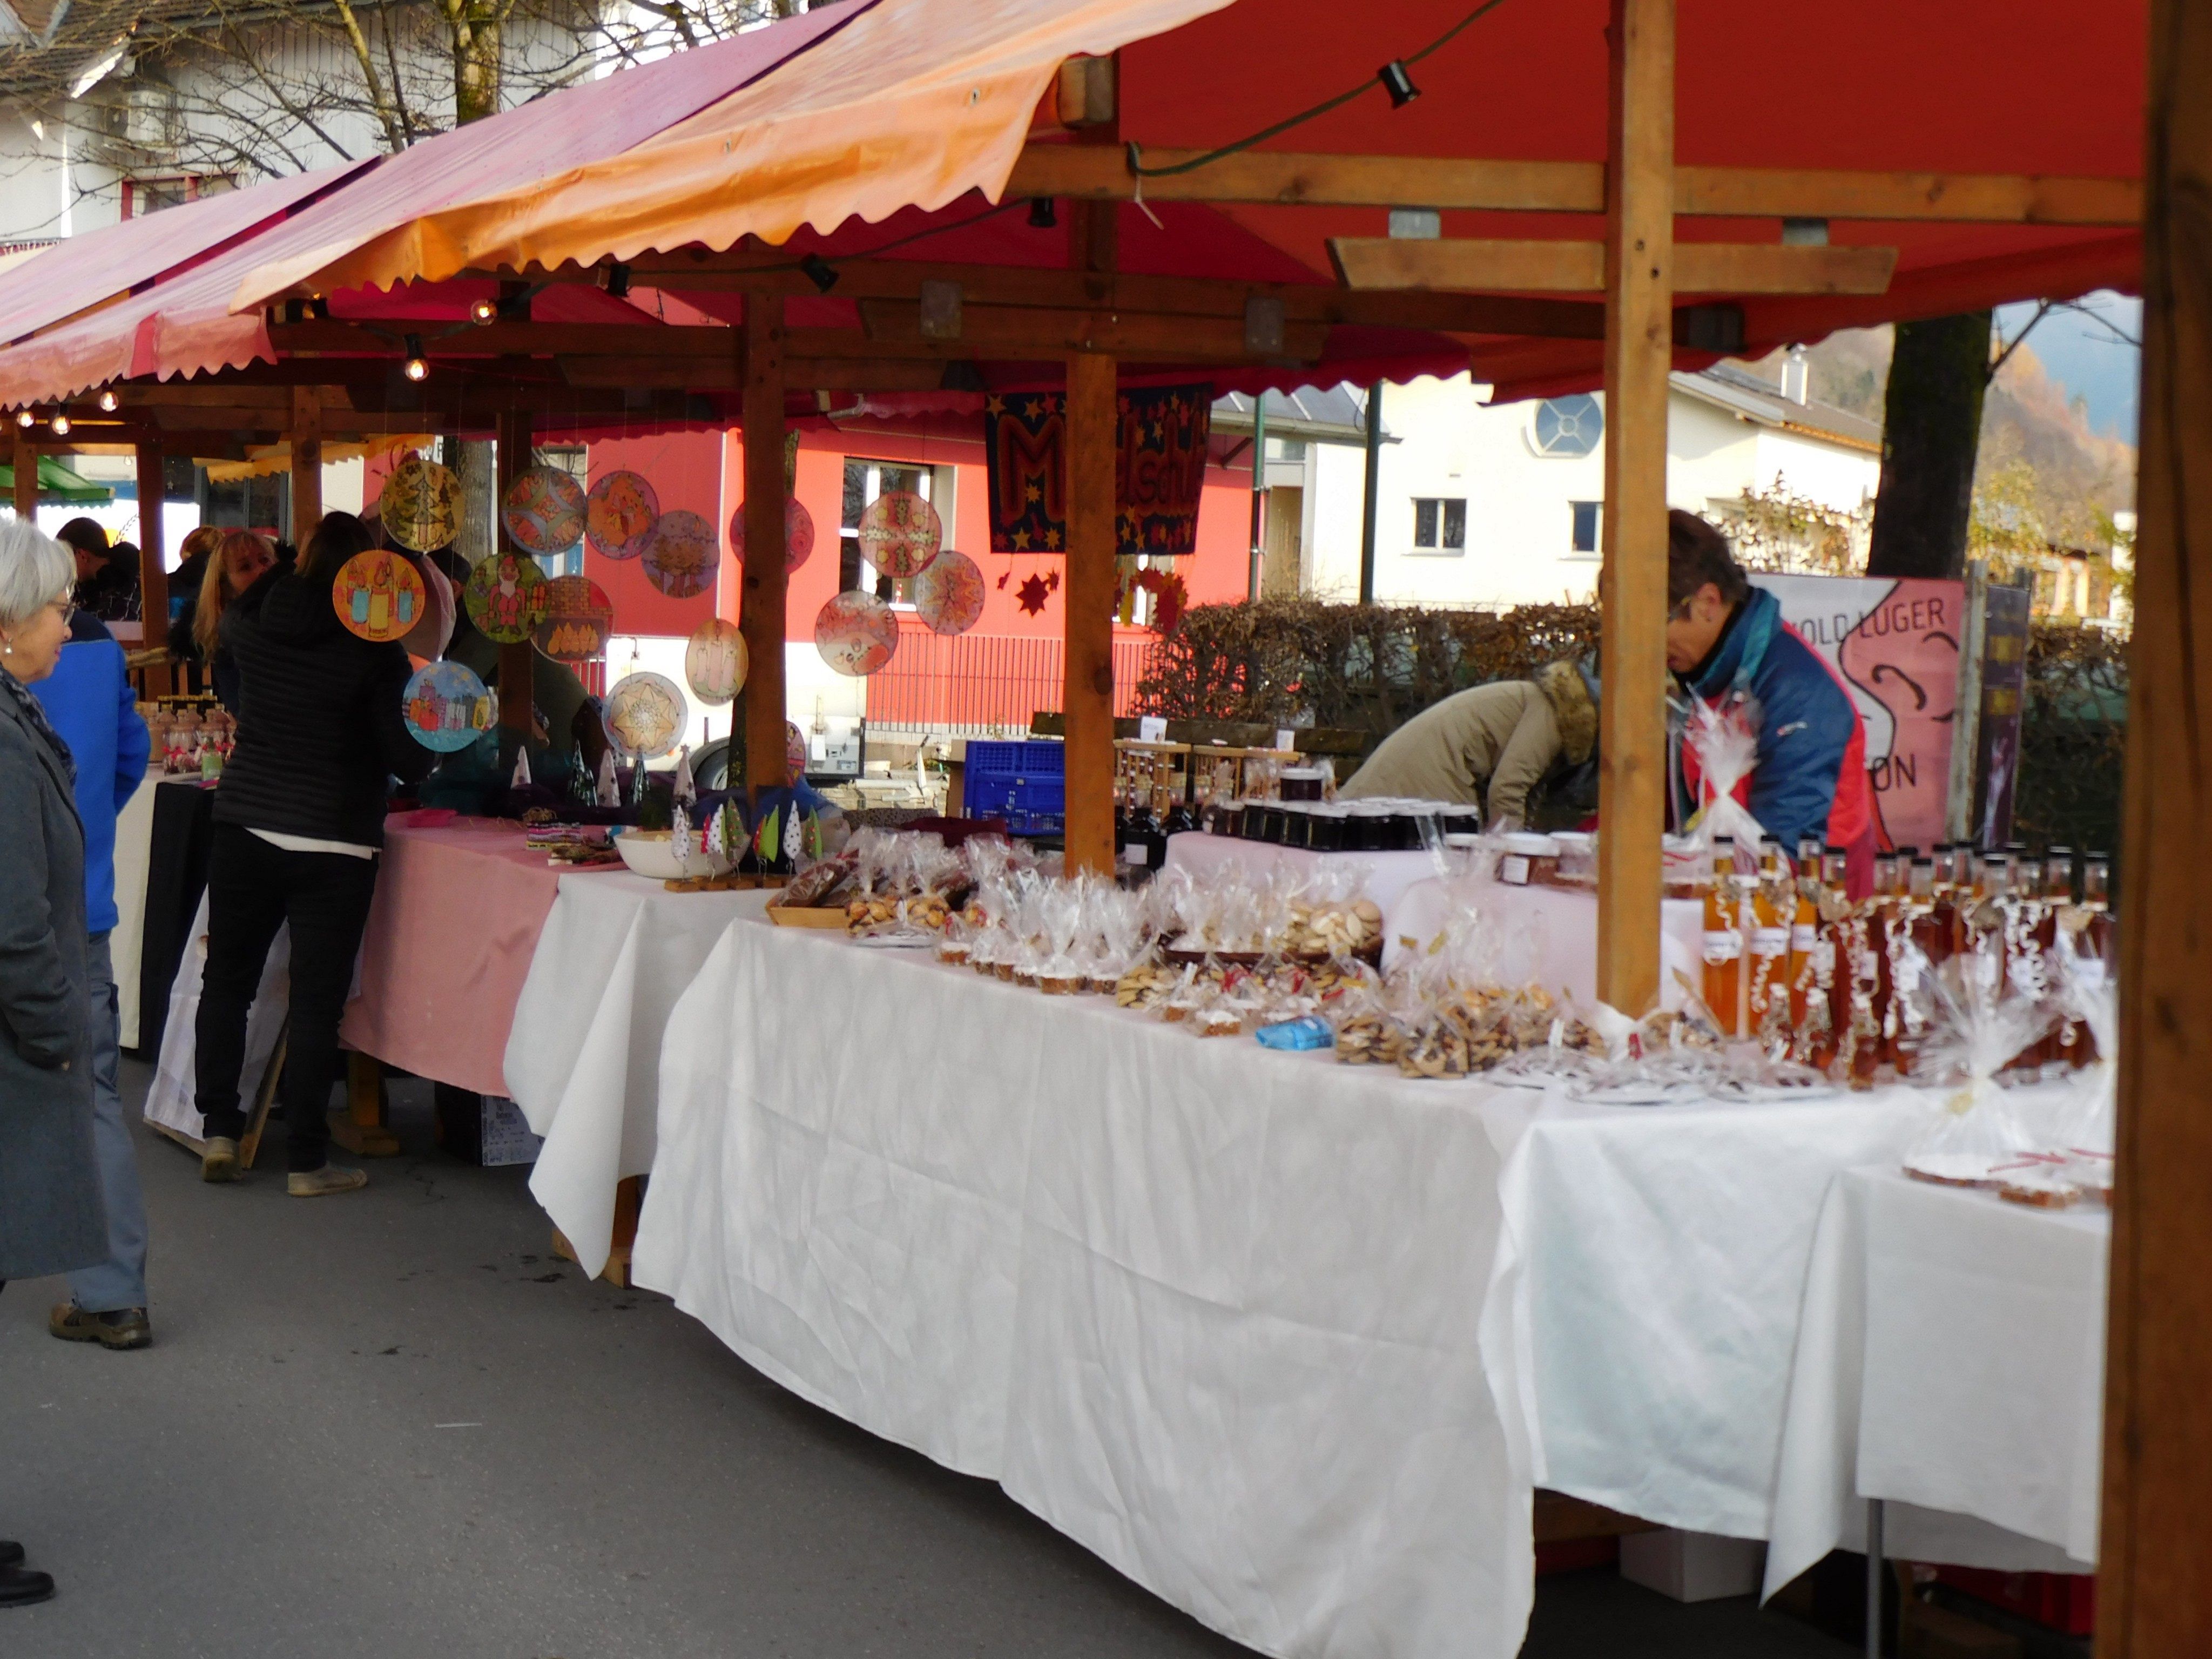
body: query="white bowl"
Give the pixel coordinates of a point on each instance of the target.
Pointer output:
(653, 853)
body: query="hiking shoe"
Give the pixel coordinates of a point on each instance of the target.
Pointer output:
(320, 1183)
(219, 1159)
(124, 1327)
(11, 1552)
(20, 1586)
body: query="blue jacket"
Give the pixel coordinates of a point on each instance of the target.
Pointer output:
(1811, 777)
(90, 701)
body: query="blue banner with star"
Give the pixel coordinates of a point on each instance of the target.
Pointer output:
(1159, 467)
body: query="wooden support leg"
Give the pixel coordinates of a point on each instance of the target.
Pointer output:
(762, 607)
(359, 1129)
(1638, 353)
(264, 1098)
(628, 1193)
(1089, 623)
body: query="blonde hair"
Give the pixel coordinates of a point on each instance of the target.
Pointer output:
(207, 614)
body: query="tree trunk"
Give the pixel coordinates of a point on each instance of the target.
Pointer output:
(476, 62)
(1931, 432)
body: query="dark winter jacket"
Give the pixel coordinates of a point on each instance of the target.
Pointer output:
(1812, 774)
(320, 729)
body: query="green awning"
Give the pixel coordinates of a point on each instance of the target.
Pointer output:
(57, 483)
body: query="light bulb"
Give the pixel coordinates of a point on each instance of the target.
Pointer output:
(109, 401)
(418, 366)
(25, 418)
(61, 425)
(485, 311)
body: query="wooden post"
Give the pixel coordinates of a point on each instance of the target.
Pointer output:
(1088, 626)
(26, 479)
(307, 462)
(152, 569)
(2153, 1594)
(760, 609)
(517, 662)
(360, 1127)
(1638, 353)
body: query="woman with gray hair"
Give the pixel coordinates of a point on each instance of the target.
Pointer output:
(51, 1220)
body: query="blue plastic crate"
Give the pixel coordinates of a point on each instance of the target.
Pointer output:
(1024, 782)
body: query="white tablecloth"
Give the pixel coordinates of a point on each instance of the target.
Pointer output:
(1952, 1363)
(584, 1052)
(1287, 1342)
(134, 841)
(170, 1100)
(1389, 874)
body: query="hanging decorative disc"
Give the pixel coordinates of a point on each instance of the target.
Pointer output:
(434, 630)
(544, 511)
(714, 662)
(856, 632)
(798, 533)
(794, 750)
(644, 715)
(505, 598)
(378, 595)
(900, 533)
(447, 707)
(949, 594)
(681, 554)
(578, 616)
(620, 513)
(422, 504)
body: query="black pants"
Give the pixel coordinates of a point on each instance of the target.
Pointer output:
(252, 889)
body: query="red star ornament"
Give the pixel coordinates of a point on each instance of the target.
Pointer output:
(1032, 593)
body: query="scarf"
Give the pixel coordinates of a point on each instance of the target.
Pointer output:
(35, 716)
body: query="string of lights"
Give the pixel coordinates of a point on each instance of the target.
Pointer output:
(1394, 77)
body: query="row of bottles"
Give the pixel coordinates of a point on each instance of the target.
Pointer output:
(1140, 835)
(1794, 964)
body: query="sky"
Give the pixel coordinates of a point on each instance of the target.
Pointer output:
(2083, 350)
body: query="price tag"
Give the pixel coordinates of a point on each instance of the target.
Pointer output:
(1152, 728)
(1285, 737)
(1137, 854)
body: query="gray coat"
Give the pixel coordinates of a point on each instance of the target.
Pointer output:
(52, 1219)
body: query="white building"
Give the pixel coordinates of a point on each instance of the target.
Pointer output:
(1484, 504)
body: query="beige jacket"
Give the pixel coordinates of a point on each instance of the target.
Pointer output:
(1507, 734)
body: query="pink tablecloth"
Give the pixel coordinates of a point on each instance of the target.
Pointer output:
(456, 918)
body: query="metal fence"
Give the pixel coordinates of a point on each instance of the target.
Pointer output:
(979, 684)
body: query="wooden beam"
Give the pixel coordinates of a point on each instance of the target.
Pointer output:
(1089, 594)
(1277, 178)
(800, 373)
(383, 341)
(1567, 267)
(153, 568)
(1004, 331)
(2154, 1595)
(306, 432)
(1639, 354)
(762, 606)
(27, 478)
(517, 662)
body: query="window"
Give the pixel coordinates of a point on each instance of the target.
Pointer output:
(143, 196)
(1567, 426)
(864, 482)
(1586, 525)
(1439, 526)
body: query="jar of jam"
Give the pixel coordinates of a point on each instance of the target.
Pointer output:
(1325, 827)
(1302, 783)
(1250, 819)
(1270, 822)
(1529, 860)
(1578, 858)
(1297, 820)
(1461, 821)
(1370, 827)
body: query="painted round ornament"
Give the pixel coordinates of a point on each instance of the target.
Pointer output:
(421, 507)
(578, 616)
(798, 533)
(900, 533)
(856, 632)
(378, 595)
(681, 554)
(620, 513)
(447, 707)
(505, 598)
(544, 511)
(714, 662)
(644, 714)
(949, 594)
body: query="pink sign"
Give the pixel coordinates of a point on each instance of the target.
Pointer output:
(1894, 644)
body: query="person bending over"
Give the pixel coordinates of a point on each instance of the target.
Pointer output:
(1503, 738)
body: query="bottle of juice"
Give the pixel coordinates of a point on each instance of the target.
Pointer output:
(2094, 946)
(1804, 932)
(1773, 909)
(1919, 947)
(1884, 923)
(1833, 964)
(1723, 944)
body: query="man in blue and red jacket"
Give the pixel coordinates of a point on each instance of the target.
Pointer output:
(1724, 635)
